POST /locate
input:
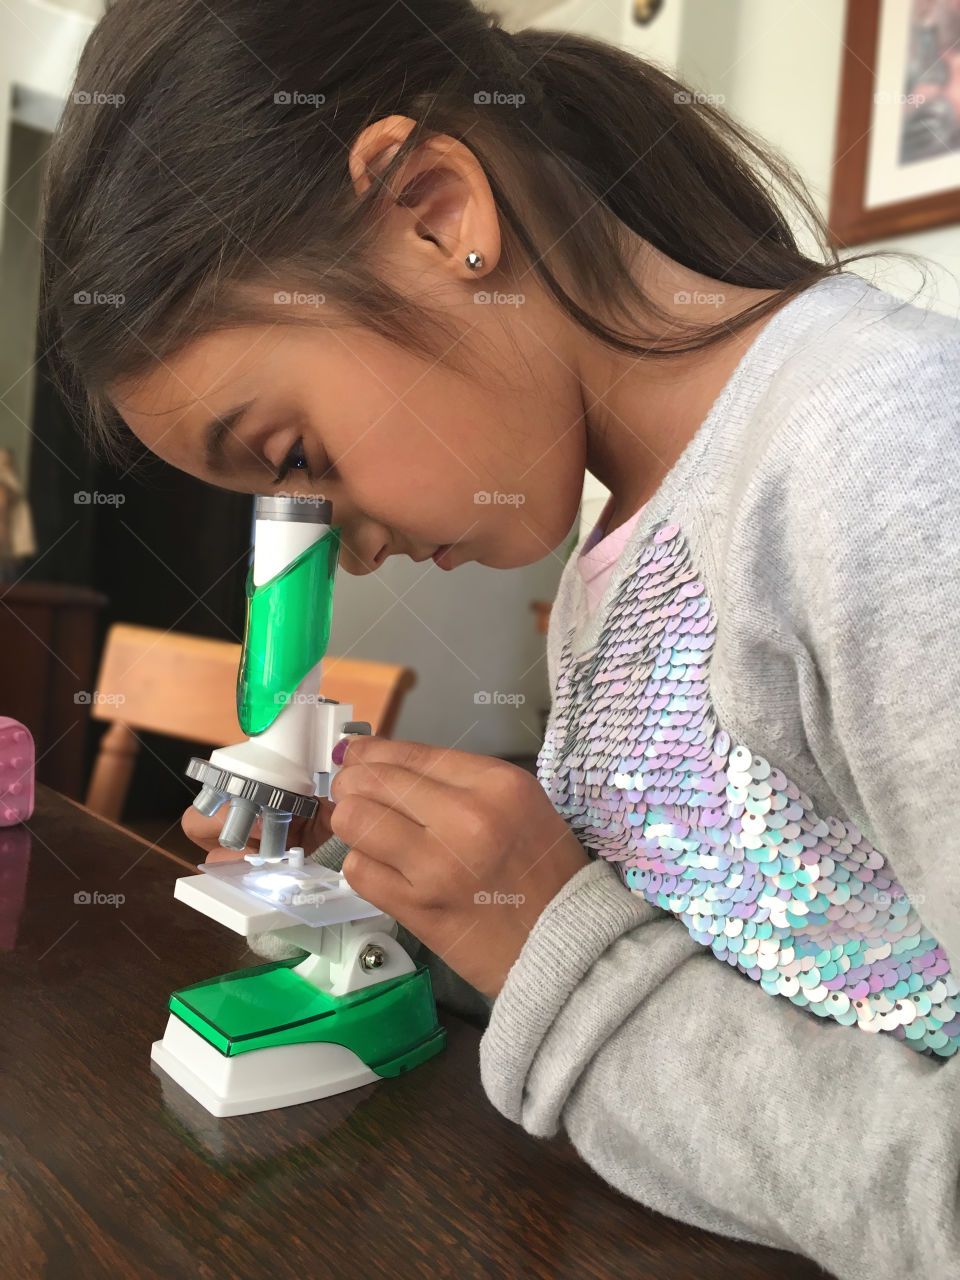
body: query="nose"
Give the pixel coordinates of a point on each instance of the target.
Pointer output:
(363, 548)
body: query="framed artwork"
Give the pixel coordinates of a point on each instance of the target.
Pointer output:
(897, 157)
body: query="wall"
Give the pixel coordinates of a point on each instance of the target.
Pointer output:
(467, 632)
(39, 48)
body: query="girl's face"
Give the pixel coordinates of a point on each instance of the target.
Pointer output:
(413, 455)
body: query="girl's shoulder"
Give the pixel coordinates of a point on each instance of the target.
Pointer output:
(861, 339)
(888, 391)
(863, 392)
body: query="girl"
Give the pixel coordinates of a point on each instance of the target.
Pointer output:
(392, 254)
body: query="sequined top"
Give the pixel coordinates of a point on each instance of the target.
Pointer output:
(710, 830)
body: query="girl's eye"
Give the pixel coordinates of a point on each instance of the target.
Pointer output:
(295, 460)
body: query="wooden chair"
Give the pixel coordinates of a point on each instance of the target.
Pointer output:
(186, 687)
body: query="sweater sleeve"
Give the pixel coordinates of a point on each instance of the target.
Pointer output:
(876, 565)
(694, 1092)
(675, 1077)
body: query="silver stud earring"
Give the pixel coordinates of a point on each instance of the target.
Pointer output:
(474, 260)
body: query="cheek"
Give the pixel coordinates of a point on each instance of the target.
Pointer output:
(413, 462)
(441, 458)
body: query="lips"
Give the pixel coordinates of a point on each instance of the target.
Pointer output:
(440, 557)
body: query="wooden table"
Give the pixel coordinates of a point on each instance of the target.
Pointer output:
(110, 1170)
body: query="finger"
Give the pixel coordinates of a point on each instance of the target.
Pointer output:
(223, 855)
(421, 799)
(310, 832)
(379, 833)
(201, 830)
(443, 764)
(377, 883)
(319, 824)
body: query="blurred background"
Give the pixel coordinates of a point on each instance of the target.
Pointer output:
(861, 98)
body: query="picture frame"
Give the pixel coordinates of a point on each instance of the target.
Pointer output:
(897, 145)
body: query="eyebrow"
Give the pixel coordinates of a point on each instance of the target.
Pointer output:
(216, 432)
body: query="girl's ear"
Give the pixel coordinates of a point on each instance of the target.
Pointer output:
(442, 184)
(381, 161)
(375, 148)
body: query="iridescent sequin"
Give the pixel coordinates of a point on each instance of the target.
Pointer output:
(709, 830)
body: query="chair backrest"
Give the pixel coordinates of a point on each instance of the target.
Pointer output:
(186, 686)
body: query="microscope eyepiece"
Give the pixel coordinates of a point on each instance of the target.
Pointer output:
(303, 509)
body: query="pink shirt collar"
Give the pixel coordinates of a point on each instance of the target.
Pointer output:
(601, 551)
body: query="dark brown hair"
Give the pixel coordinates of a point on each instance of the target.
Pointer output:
(195, 171)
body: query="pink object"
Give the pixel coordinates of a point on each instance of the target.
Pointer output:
(17, 763)
(600, 553)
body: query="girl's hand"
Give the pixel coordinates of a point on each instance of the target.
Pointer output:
(463, 850)
(308, 832)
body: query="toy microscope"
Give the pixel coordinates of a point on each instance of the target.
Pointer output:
(356, 1008)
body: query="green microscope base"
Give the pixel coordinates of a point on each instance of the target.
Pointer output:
(266, 1037)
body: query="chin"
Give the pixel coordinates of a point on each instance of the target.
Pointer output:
(516, 561)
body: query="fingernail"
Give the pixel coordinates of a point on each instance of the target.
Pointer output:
(339, 750)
